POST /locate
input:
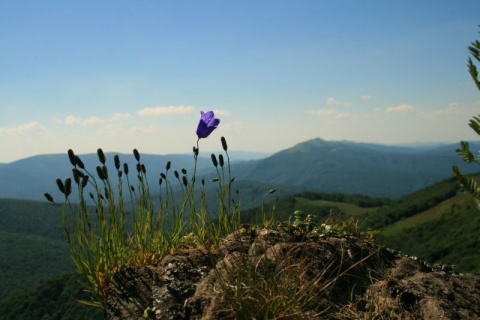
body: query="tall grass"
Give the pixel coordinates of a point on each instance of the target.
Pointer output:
(101, 239)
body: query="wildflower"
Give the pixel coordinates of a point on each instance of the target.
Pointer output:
(207, 124)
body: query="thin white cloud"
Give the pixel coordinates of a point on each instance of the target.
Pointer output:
(322, 112)
(71, 120)
(92, 120)
(453, 109)
(220, 112)
(402, 108)
(31, 127)
(160, 111)
(366, 97)
(332, 102)
(120, 116)
(74, 120)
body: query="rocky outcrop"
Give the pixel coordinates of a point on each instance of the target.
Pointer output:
(335, 278)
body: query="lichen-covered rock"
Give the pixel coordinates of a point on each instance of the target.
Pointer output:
(352, 278)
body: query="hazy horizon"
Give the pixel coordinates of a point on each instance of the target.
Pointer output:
(249, 155)
(120, 75)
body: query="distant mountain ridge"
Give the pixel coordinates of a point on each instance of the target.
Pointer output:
(348, 167)
(317, 164)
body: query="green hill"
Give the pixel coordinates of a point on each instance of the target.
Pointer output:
(56, 298)
(438, 224)
(446, 234)
(32, 244)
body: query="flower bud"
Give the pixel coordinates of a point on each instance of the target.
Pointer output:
(163, 176)
(169, 164)
(176, 174)
(125, 168)
(184, 171)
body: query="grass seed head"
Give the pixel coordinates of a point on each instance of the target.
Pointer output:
(136, 154)
(100, 173)
(49, 197)
(185, 181)
(220, 160)
(68, 187)
(71, 156)
(79, 162)
(116, 159)
(60, 185)
(101, 156)
(214, 160)
(224, 143)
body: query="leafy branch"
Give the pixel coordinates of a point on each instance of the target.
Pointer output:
(469, 184)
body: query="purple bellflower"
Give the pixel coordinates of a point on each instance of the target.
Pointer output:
(207, 124)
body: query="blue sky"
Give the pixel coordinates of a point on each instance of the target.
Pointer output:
(136, 74)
